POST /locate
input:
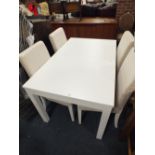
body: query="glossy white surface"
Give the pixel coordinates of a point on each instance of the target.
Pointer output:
(81, 72)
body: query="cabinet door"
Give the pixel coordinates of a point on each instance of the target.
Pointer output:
(88, 30)
(71, 30)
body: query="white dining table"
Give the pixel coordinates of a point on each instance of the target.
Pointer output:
(81, 72)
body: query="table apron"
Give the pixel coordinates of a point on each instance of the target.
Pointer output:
(69, 100)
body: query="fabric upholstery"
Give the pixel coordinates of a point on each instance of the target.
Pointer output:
(126, 42)
(57, 38)
(34, 57)
(125, 81)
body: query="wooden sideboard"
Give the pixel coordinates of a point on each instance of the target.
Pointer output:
(105, 28)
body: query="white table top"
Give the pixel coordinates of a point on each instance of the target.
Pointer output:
(82, 70)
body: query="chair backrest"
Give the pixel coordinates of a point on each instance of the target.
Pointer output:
(57, 38)
(126, 21)
(34, 57)
(125, 81)
(124, 46)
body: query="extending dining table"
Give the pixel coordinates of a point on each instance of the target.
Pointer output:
(81, 72)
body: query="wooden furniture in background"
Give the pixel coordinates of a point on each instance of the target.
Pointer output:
(56, 8)
(104, 28)
(64, 8)
(88, 28)
(129, 127)
(41, 32)
(128, 131)
(72, 7)
(126, 23)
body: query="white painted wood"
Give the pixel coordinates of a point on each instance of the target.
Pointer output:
(103, 122)
(82, 72)
(116, 118)
(70, 108)
(79, 114)
(82, 69)
(39, 106)
(43, 102)
(69, 105)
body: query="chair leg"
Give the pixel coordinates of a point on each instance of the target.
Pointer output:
(43, 102)
(70, 108)
(79, 114)
(116, 119)
(38, 105)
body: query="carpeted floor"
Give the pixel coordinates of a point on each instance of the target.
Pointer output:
(61, 136)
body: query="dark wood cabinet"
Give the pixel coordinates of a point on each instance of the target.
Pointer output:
(86, 27)
(105, 28)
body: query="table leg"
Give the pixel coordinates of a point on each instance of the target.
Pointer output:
(38, 105)
(43, 102)
(79, 114)
(103, 122)
(70, 108)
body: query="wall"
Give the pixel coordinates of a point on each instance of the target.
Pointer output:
(124, 6)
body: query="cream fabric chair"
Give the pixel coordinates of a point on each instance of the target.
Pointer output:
(125, 84)
(57, 38)
(32, 59)
(125, 87)
(124, 46)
